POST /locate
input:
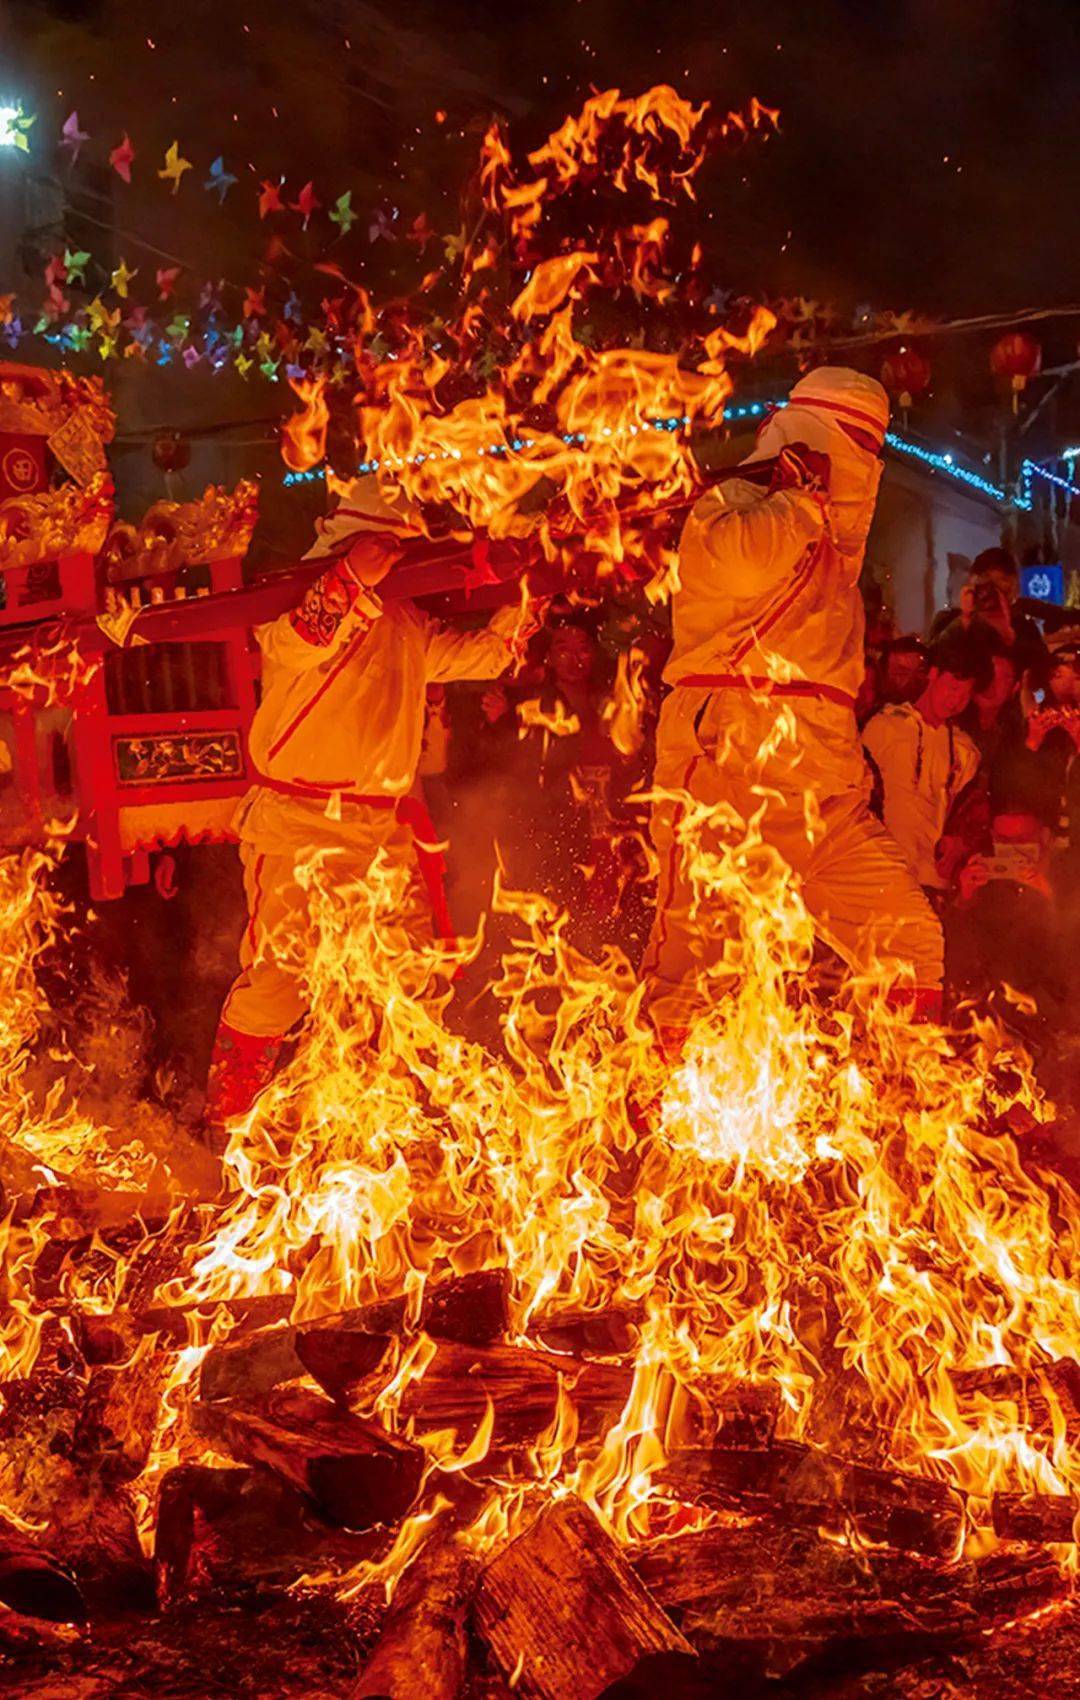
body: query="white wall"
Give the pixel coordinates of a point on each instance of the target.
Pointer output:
(923, 518)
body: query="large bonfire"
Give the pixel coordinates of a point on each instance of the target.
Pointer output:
(811, 1273)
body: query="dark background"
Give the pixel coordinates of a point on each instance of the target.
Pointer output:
(929, 156)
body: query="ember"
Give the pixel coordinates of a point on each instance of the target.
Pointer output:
(563, 1365)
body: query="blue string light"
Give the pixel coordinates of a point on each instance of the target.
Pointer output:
(944, 462)
(575, 439)
(1032, 469)
(938, 460)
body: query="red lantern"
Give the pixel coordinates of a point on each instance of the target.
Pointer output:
(906, 374)
(1016, 357)
(170, 451)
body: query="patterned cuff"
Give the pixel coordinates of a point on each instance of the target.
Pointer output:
(334, 596)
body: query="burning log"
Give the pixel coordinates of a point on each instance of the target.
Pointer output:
(246, 1368)
(111, 1339)
(353, 1471)
(93, 1526)
(564, 1614)
(1035, 1517)
(713, 1412)
(115, 1428)
(146, 1246)
(1034, 1392)
(63, 1475)
(522, 1385)
(471, 1309)
(812, 1487)
(33, 1583)
(459, 1381)
(343, 1349)
(790, 1593)
(422, 1653)
(609, 1333)
(338, 1357)
(233, 1530)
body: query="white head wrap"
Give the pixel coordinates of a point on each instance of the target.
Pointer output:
(362, 507)
(819, 408)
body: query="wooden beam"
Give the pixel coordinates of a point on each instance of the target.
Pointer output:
(564, 1614)
(423, 1650)
(353, 1471)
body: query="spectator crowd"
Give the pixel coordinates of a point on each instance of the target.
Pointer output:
(971, 736)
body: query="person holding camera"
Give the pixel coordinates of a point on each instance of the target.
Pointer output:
(990, 595)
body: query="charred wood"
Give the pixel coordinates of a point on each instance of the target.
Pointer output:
(1036, 1517)
(563, 1612)
(911, 1512)
(234, 1531)
(33, 1583)
(24, 1639)
(355, 1473)
(423, 1651)
(790, 1593)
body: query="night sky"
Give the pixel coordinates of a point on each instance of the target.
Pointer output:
(930, 152)
(928, 156)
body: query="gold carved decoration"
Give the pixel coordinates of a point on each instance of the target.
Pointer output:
(175, 534)
(55, 522)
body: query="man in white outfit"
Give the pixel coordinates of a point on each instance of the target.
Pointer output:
(335, 743)
(769, 618)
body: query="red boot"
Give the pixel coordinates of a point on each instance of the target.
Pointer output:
(241, 1064)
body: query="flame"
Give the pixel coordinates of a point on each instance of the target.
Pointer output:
(303, 437)
(558, 721)
(573, 444)
(624, 711)
(48, 673)
(652, 117)
(817, 1202)
(819, 1196)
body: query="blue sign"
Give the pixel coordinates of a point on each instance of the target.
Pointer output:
(1045, 584)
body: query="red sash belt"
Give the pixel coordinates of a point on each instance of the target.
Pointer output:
(769, 687)
(323, 793)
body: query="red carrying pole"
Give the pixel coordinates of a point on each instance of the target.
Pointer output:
(426, 569)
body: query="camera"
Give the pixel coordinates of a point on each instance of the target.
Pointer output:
(988, 597)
